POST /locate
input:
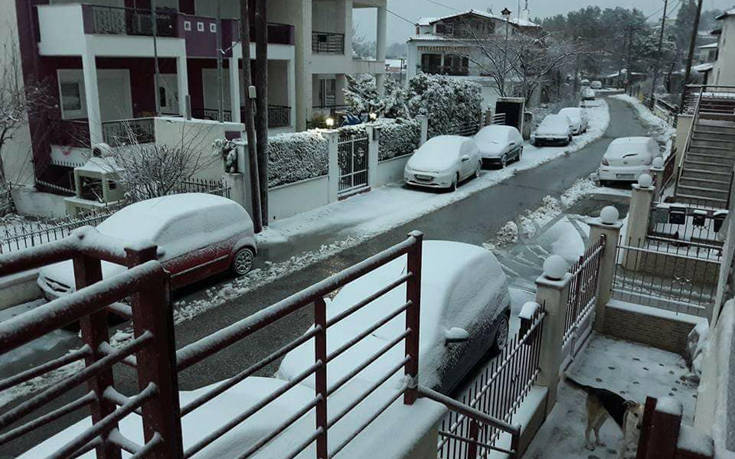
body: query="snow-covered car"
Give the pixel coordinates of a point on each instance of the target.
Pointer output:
(588, 94)
(499, 144)
(553, 130)
(443, 162)
(596, 84)
(626, 158)
(585, 82)
(465, 308)
(197, 235)
(577, 119)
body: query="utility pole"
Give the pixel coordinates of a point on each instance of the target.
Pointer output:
(156, 72)
(249, 120)
(220, 89)
(658, 58)
(692, 44)
(261, 85)
(628, 70)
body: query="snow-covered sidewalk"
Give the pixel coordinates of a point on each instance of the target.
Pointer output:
(347, 223)
(632, 370)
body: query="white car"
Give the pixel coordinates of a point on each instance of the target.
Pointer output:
(626, 158)
(499, 144)
(554, 130)
(198, 235)
(577, 119)
(588, 94)
(443, 162)
(596, 84)
(465, 307)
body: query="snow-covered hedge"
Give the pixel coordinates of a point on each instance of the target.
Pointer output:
(399, 138)
(297, 156)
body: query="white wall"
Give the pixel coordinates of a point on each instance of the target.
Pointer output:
(16, 153)
(287, 200)
(390, 171)
(724, 69)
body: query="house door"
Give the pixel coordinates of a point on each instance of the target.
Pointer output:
(168, 93)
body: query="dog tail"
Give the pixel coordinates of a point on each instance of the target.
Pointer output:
(575, 384)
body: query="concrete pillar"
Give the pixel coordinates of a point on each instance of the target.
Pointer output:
(382, 36)
(373, 154)
(657, 174)
(333, 173)
(638, 217)
(236, 182)
(344, 24)
(608, 225)
(300, 14)
(235, 88)
(291, 82)
(92, 95)
(341, 85)
(552, 292)
(424, 120)
(380, 83)
(412, 62)
(182, 81)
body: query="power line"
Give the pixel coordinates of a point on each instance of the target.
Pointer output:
(401, 17)
(442, 4)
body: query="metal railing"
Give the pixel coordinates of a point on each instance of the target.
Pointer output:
(497, 391)
(122, 132)
(279, 116)
(498, 118)
(713, 94)
(677, 276)
(69, 133)
(684, 225)
(669, 174)
(149, 352)
(129, 21)
(327, 43)
(352, 159)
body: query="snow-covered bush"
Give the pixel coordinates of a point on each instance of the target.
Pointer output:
(399, 138)
(447, 102)
(361, 96)
(297, 156)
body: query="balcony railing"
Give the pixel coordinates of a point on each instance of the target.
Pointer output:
(69, 133)
(120, 132)
(327, 43)
(129, 21)
(278, 115)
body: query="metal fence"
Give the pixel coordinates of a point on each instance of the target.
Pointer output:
(31, 234)
(130, 21)
(677, 276)
(122, 132)
(352, 157)
(327, 43)
(497, 391)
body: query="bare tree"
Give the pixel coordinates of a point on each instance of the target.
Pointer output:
(149, 170)
(17, 100)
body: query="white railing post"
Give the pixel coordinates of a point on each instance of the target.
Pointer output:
(639, 216)
(552, 292)
(424, 128)
(657, 174)
(373, 153)
(334, 173)
(608, 225)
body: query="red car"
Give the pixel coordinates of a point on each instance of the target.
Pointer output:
(197, 235)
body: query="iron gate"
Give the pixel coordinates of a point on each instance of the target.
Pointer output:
(352, 157)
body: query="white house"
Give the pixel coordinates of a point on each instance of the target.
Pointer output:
(723, 72)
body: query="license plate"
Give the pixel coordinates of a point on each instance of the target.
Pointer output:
(625, 176)
(424, 178)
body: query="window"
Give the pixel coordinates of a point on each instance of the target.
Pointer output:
(187, 26)
(431, 63)
(213, 27)
(162, 96)
(200, 26)
(71, 96)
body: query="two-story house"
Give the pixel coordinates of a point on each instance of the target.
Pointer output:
(449, 45)
(111, 65)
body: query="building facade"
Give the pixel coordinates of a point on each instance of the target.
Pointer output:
(111, 67)
(723, 72)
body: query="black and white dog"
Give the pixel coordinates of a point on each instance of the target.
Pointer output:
(603, 403)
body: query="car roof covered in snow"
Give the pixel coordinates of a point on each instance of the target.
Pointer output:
(571, 111)
(496, 132)
(555, 120)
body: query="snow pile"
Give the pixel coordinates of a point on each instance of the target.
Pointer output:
(696, 346)
(658, 128)
(297, 156)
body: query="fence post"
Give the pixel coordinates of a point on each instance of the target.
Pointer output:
(424, 120)
(638, 218)
(660, 429)
(413, 296)
(156, 363)
(320, 376)
(333, 173)
(552, 291)
(373, 153)
(657, 173)
(474, 437)
(87, 271)
(607, 226)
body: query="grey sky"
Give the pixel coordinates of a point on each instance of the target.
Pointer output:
(399, 30)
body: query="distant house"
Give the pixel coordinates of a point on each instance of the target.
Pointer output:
(444, 45)
(723, 72)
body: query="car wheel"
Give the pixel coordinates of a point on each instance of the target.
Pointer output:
(520, 153)
(501, 333)
(455, 183)
(503, 161)
(242, 262)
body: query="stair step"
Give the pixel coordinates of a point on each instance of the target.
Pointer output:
(705, 130)
(700, 198)
(703, 163)
(698, 137)
(703, 190)
(703, 171)
(684, 176)
(710, 155)
(718, 147)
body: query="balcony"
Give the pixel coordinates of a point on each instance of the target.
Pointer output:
(327, 43)
(129, 21)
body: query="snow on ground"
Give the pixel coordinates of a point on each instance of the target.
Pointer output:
(362, 217)
(646, 370)
(658, 128)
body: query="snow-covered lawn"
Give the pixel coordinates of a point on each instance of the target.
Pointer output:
(644, 370)
(361, 217)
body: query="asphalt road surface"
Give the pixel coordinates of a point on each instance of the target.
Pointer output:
(474, 220)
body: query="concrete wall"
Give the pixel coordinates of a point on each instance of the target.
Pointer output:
(724, 69)
(16, 153)
(288, 200)
(654, 327)
(390, 170)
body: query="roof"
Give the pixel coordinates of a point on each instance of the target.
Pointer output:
(727, 13)
(709, 46)
(520, 22)
(706, 67)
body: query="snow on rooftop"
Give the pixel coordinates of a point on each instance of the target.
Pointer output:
(520, 22)
(709, 46)
(706, 67)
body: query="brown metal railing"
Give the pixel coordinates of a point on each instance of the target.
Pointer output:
(150, 351)
(582, 288)
(314, 297)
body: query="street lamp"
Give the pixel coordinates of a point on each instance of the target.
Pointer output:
(329, 122)
(506, 16)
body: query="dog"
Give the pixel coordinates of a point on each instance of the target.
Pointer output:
(603, 403)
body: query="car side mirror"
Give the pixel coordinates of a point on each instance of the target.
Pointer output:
(456, 335)
(160, 252)
(465, 158)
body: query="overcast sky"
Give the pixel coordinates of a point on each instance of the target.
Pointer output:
(399, 29)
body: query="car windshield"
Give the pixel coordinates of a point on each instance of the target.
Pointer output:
(494, 134)
(571, 113)
(557, 123)
(131, 226)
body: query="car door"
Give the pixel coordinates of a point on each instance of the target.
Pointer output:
(465, 159)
